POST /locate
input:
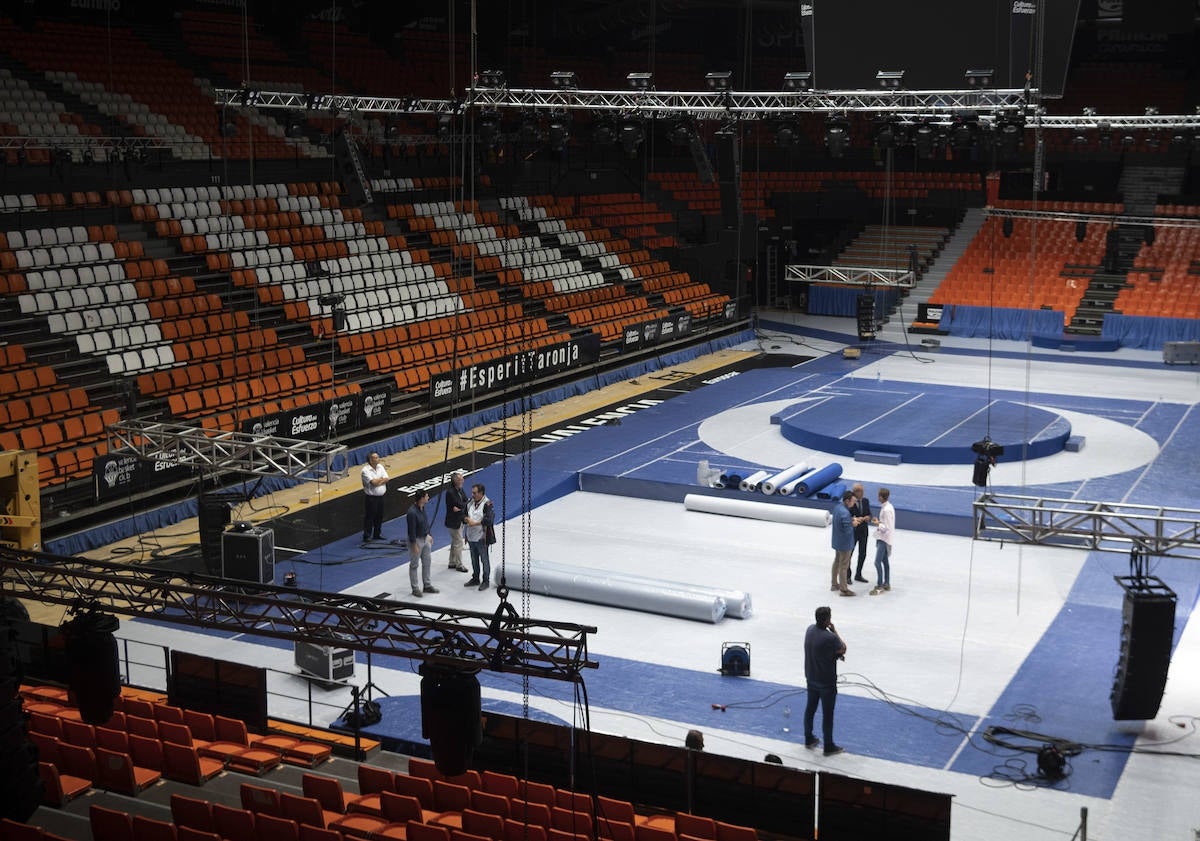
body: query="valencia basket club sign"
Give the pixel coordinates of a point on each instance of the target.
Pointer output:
(514, 369)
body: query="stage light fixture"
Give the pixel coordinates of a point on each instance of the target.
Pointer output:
(786, 135)
(494, 79)
(962, 134)
(924, 139)
(1151, 111)
(837, 136)
(980, 78)
(640, 81)
(247, 95)
(604, 134)
(890, 78)
(1009, 137)
(631, 138)
(797, 81)
(1104, 131)
(719, 80)
(445, 125)
(681, 133)
(559, 133)
(488, 130)
(564, 80)
(530, 132)
(888, 135)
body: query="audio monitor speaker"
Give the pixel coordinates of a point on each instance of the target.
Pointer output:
(248, 555)
(1147, 627)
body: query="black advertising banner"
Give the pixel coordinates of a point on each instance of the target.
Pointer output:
(117, 475)
(730, 310)
(374, 406)
(631, 338)
(514, 369)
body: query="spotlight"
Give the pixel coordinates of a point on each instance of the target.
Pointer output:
(1105, 131)
(889, 135)
(979, 78)
(315, 101)
(530, 132)
(445, 125)
(631, 138)
(797, 81)
(604, 134)
(1151, 111)
(718, 81)
(924, 139)
(564, 80)
(837, 136)
(890, 78)
(494, 79)
(1089, 111)
(247, 95)
(1009, 137)
(962, 134)
(488, 130)
(640, 81)
(559, 134)
(786, 135)
(681, 133)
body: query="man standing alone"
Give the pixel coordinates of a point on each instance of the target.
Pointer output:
(374, 482)
(456, 509)
(842, 538)
(420, 542)
(822, 649)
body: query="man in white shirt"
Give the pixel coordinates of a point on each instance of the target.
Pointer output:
(885, 535)
(374, 482)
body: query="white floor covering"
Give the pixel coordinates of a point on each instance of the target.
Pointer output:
(960, 620)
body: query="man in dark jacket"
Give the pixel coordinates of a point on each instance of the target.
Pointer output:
(456, 508)
(862, 525)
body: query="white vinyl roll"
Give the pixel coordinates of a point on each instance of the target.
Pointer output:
(750, 483)
(769, 486)
(774, 512)
(626, 591)
(789, 487)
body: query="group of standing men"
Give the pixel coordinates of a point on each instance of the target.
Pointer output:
(851, 521)
(470, 518)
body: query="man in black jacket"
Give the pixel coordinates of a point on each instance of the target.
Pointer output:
(862, 525)
(456, 509)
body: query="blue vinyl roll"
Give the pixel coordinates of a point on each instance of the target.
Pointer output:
(831, 491)
(819, 479)
(789, 487)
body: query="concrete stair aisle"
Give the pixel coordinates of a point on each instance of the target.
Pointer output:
(893, 330)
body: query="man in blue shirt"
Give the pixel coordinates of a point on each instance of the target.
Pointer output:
(822, 649)
(843, 543)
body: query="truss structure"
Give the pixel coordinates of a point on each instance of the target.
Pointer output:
(987, 106)
(470, 641)
(1106, 218)
(1096, 526)
(86, 141)
(229, 452)
(851, 276)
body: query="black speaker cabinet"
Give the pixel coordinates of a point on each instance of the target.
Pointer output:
(1147, 626)
(248, 555)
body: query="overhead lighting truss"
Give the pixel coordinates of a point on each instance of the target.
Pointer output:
(991, 105)
(500, 641)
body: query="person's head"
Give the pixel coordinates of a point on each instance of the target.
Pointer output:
(694, 740)
(456, 479)
(823, 615)
(848, 499)
(477, 491)
(884, 493)
(373, 459)
(857, 490)
(420, 498)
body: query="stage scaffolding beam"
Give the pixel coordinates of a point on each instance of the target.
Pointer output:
(222, 452)
(462, 639)
(1095, 526)
(851, 276)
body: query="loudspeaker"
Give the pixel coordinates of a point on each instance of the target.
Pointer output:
(95, 674)
(214, 513)
(729, 175)
(1007, 226)
(1147, 626)
(866, 316)
(451, 717)
(249, 555)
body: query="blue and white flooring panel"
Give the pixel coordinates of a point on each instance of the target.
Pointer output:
(971, 635)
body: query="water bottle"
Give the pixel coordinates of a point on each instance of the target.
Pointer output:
(787, 719)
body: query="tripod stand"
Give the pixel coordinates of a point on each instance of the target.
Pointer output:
(363, 710)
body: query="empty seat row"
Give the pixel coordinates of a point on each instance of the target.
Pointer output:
(68, 255)
(197, 374)
(374, 319)
(62, 235)
(80, 276)
(17, 411)
(132, 337)
(79, 297)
